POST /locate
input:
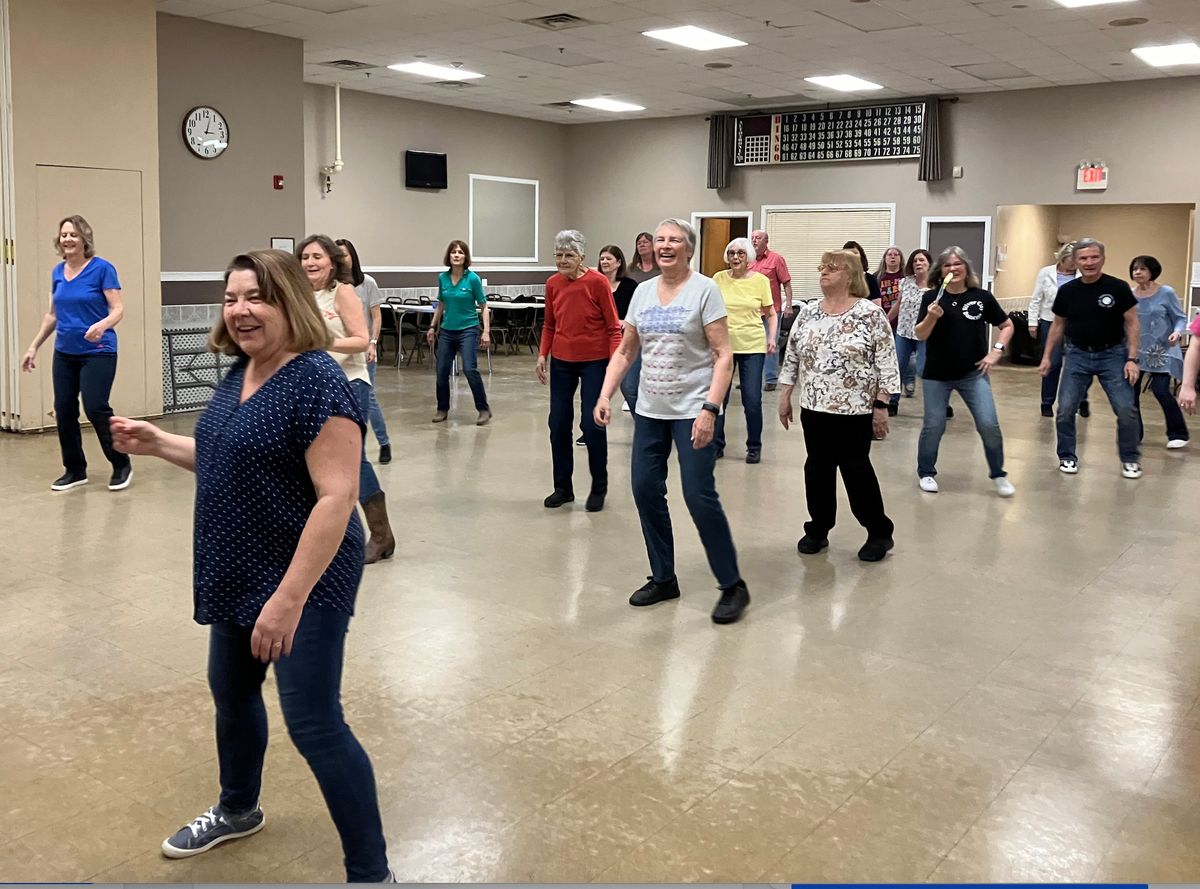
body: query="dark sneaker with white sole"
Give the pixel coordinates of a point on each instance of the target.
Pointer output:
(69, 480)
(211, 829)
(121, 478)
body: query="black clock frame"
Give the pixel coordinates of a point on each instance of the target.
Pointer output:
(183, 133)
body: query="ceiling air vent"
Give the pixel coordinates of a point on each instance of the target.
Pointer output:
(453, 84)
(559, 21)
(348, 65)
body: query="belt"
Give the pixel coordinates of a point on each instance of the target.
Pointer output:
(1096, 348)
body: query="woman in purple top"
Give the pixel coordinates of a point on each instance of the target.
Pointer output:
(85, 306)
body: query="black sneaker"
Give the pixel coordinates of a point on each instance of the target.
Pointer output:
(754, 455)
(121, 478)
(875, 548)
(558, 498)
(1047, 410)
(69, 480)
(1085, 409)
(949, 412)
(654, 592)
(720, 453)
(893, 408)
(595, 500)
(732, 603)
(581, 442)
(211, 829)
(809, 545)
(770, 387)
(385, 453)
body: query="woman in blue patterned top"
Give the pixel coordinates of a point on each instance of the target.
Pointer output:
(1159, 356)
(277, 553)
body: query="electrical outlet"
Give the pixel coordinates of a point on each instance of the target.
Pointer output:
(957, 172)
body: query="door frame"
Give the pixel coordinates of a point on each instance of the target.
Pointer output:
(10, 349)
(985, 272)
(697, 215)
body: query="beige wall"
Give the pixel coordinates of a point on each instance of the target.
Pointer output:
(1026, 235)
(395, 226)
(213, 209)
(1130, 230)
(84, 95)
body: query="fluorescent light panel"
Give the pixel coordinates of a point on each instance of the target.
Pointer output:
(436, 71)
(694, 38)
(1079, 4)
(845, 83)
(1173, 54)
(601, 104)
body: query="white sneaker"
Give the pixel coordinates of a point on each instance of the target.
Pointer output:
(1004, 487)
(929, 485)
(1070, 467)
(1131, 470)
(1175, 443)
(625, 407)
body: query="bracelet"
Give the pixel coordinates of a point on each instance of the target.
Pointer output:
(881, 405)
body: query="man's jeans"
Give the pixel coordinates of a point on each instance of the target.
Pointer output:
(1108, 366)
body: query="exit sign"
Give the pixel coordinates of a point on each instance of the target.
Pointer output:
(1091, 177)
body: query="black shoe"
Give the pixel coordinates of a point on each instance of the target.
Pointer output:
(720, 453)
(893, 408)
(875, 548)
(770, 387)
(595, 500)
(949, 412)
(211, 829)
(385, 453)
(558, 498)
(121, 478)
(732, 603)
(69, 480)
(809, 545)
(1085, 409)
(653, 592)
(1047, 410)
(581, 442)
(754, 455)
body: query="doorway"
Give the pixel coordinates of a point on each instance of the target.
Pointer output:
(714, 230)
(972, 233)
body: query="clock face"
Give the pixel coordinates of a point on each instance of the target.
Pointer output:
(205, 132)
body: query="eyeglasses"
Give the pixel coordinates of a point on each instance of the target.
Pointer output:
(830, 266)
(736, 253)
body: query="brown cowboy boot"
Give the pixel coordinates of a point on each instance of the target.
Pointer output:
(381, 544)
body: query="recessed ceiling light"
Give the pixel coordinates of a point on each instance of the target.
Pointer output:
(1172, 54)
(845, 83)
(1079, 4)
(602, 104)
(440, 72)
(694, 38)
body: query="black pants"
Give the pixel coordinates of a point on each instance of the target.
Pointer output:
(1160, 385)
(565, 378)
(840, 442)
(92, 377)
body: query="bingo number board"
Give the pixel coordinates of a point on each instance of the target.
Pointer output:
(840, 134)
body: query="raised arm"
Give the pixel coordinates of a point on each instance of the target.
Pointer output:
(142, 439)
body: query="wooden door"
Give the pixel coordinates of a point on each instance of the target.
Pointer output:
(714, 235)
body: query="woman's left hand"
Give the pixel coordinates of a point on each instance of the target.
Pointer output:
(275, 629)
(95, 332)
(772, 347)
(988, 361)
(485, 339)
(372, 354)
(879, 422)
(1175, 337)
(702, 430)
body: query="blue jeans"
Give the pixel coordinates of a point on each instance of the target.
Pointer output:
(309, 681)
(368, 482)
(466, 344)
(652, 441)
(1079, 367)
(1160, 385)
(1050, 380)
(976, 390)
(92, 377)
(750, 375)
(906, 355)
(565, 378)
(378, 424)
(629, 383)
(771, 365)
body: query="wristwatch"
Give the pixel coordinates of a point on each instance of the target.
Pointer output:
(881, 405)
(999, 347)
(374, 342)
(713, 409)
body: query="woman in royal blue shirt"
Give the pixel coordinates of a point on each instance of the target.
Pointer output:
(85, 306)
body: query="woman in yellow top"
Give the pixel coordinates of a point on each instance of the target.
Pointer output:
(748, 300)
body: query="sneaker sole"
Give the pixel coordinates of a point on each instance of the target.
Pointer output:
(70, 486)
(1073, 470)
(123, 485)
(171, 852)
(653, 601)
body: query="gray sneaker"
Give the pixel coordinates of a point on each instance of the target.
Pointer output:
(211, 829)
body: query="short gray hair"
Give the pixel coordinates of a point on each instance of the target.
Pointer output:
(1084, 243)
(684, 226)
(740, 244)
(570, 239)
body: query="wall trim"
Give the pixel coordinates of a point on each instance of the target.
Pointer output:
(370, 270)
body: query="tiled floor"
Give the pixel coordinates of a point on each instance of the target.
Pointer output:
(1011, 695)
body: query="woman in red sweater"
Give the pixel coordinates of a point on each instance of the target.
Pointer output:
(580, 332)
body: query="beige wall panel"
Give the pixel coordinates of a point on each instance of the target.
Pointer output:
(1027, 235)
(1130, 230)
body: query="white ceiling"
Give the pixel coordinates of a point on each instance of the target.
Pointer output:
(912, 47)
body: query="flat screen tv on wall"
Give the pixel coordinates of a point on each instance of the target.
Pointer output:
(424, 169)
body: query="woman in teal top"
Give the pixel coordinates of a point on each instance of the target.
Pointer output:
(459, 292)
(1159, 356)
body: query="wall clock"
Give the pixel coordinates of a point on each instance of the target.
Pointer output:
(205, 132)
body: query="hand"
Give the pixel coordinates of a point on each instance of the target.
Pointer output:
(1175, 337)
(603, 411)
(135, 437)
(1187, 398)
(540, 370)
(1044, 368)
(935, 310)
(988, 361)
(372, 355)
(275, 629)
(1132, 372)
(430, 336)
(786, 417)
(879, 422)
(485, 340)
(95, 332)
(787, 311)
(772, 347)
(1033, 332)
(702, 430)
(29, 362)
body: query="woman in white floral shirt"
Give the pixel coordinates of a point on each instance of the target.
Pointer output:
(842, 356)
(908, 347)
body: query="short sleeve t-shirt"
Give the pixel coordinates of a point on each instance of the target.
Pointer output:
(745, 298)
(80, 303)
(254, 493)
(774, 266)
(960, 337)
(889, 292)
(459, 300)
(370, 294)
(1095, 312)
(677, 362)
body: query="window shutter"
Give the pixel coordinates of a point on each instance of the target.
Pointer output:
(801, 235)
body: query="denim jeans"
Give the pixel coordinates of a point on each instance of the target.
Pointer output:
(629, 383)
(1079, 367)
(1050, 380)
(378, 424)
(1160, 385)
(976, 390)
(466, 344)
(92, 377)
(771, 364)
(837, 442)
(750, 375)
(906, 355)
(309, 680)
(565, 378)
(652, 441)
(368, 482)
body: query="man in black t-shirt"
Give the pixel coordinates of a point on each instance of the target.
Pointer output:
(1097, 314)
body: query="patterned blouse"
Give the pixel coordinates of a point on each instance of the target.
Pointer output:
(910, 306)
(840, 363)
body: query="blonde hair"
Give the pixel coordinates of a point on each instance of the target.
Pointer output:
(83, 230)
(282, 284)
(851, 263)
(1066, 251)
